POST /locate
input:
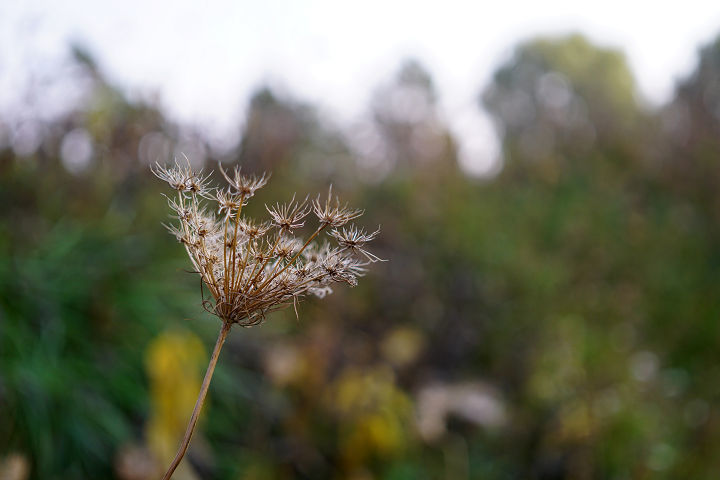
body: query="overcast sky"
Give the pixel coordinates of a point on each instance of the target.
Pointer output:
(204, 58)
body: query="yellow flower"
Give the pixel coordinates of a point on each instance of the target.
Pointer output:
(173, 362)
(375, 414)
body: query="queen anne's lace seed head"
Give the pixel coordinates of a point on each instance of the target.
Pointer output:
(332, 213)
(354, 239)
(287, 247)
(254, 268)
(252, 229)
(245, 185)
(183, 179)
(288, 217)
(228, 202)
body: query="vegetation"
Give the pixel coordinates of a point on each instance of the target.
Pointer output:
(559, 320)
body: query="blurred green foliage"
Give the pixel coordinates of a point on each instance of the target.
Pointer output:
(557, 321)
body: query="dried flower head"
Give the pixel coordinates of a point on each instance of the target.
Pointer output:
(252, 268)
(354, 239)
(245, 185)
(333, 213)
(228, 202)
(289, 216)
(183, 179)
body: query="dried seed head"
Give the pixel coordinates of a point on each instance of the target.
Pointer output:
(354, 239)
(341, 268)
(287, 247)
(228, 202)
(248, 273)
(289, 216)
(180, 235)
(253, 230)
(245, 185)
(333, 213)
(204, 224)
(183, 178)
(313, 253)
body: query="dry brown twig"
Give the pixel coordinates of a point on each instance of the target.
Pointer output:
(252, 269)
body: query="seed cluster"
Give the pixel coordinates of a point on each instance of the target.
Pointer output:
(250, 268)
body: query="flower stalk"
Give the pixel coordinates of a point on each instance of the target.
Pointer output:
(252, 269)
(185, 443)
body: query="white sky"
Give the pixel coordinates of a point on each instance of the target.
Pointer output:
(204, 58)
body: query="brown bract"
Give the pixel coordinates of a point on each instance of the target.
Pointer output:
(254, 268)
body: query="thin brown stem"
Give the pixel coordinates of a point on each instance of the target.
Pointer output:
(213, 284)
(253, 277)
(234, 242)
(292, 260)
(200, 401)
(226, 281)
(244, 263)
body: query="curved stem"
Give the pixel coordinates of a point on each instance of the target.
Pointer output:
(200, 401)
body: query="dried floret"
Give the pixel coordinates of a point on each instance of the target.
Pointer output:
(183, 179)
(289, 216)
(245, 185)
(333, 213)
(354, 239)
(228, 202)
(252, 229)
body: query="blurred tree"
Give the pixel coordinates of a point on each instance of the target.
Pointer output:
(559, 102)
(273, 128)
(291, 140)
(692, 125)
(594, 270)
(405, 112)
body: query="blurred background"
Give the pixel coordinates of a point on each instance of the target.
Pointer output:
(547, 178)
